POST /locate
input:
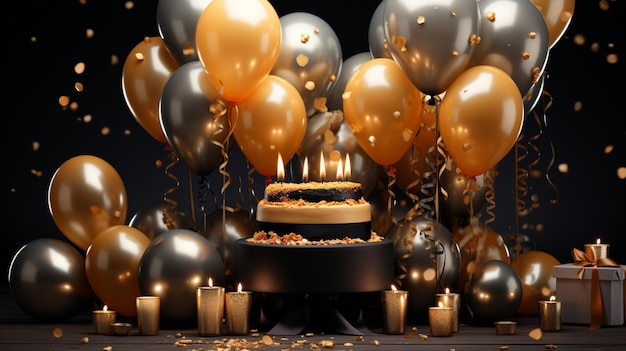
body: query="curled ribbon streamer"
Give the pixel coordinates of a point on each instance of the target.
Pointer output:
(174, 161)
(581, 259)
(434, 254)
(521, 189)
(547, 96)
(391, 174)
(407, 243)
(203, 192)
(490, 196)
(413, 212)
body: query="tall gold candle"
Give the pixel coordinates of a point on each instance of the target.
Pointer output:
(440, 320)
(450, 300)
(597, 250)
(238, 305)
(148, 314)
(394, 303)
(210, 302)
(550, 315)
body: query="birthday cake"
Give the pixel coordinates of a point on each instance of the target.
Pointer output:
(314, 237)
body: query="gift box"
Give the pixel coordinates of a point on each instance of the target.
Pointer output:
(574, 292)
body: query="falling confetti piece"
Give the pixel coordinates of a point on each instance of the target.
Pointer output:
(57, 332)
(535, 334)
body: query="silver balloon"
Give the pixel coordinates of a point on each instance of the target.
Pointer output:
(431, 40)
(494, 293)
(310, 57)
(194, 119)
(376, 33)
(48, 280)
(223, 229)
(161, 216)
(328, 133)
(427, 262)
(172, 267)
(513, 37)
(334, 99)
(176, 21)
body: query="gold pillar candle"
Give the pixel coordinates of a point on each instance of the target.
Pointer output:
(597, 250)
(238, 305)
(394, 304)
(210, 301)
(148, 314)
(450, 300)
(440, 320)
(550, 315)
(102, 320)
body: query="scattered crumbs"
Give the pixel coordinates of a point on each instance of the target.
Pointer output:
(57, 332)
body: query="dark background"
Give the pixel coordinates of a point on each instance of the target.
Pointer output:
(44, 40)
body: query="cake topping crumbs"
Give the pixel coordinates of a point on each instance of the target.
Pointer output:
(262, 237)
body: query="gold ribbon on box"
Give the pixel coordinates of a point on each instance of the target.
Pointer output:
(581, 259)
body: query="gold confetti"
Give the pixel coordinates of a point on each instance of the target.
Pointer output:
(87, 118)
(267, 340)
(333, 78)
(36, 172)
(525, 55)
(158, 163)
(139, 56)
(421, 20)
(608, 149)
(302, 60)
(57, 332)
(105, 130)
(535, 334)
(578, 105)
(532, 35)
(611, 58)
(188, 49)
(89, 33)
(74, 106)
(84, 340)
(36, 145)
(79, 68)
(320, 104)
(452, 13)
(455, 53)
(64, 100)
(372, 140)
(491, 16)
(129, 5)
(304, 38)
(309, 85)
(467, 146)
(316, 31)
(33, 39)
(114, 60)
(621, 173)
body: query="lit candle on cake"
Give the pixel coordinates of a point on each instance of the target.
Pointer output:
(347, 173)
(339, 175)
(597, 250)
(210, 303)
(550, 314)
(238, 304)
(322, 167)
(102, 319)
(395, 309)
(305, 170)
(450, 300)
(280, 169)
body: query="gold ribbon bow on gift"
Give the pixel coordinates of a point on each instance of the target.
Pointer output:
(581, 259)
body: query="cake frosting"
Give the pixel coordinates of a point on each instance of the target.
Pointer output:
(315, 210)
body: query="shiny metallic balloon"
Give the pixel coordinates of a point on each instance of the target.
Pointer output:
(310, 57)
(376, 33)
(161, 216)
(431, 40)
(177, 21)
(458, 201)
(427, 262)
(513, 37)
(538, 284)
(493, 293)
(334, 99)
(48, 280)
(194, 119)
(173, 266)
(328, 133)
(223, 229)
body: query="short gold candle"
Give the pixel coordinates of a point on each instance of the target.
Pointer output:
(550, 315)
(102, 320)
(394, 304)
(453, 300)
(440, 320)
(148, 314)
(238, 305)
(597, 250)
(210, 302)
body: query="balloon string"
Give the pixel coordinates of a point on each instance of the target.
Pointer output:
(203, 193)
(548, 104)
(430, 177)
(391, 175)
(490, 196)
(192, 204)
(407, 243)
(226, 177)
(251, 193)
(174, 161)
(521, 188)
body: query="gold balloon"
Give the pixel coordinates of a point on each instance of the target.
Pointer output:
(86, 196)
(557, 15)
(271, 120)
(480, 118)
(147, 68)
(478, 243)
(383, 109)
(538, 284)
(238, 43)
(112, 264)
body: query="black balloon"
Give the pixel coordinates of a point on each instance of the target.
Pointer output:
(172, 267)
(48, 280)
(427, 262)
(493, 293)
(161, 216)
(223, 229)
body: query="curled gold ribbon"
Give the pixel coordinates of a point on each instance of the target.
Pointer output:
(582, 260)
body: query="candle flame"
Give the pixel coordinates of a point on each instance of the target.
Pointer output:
(280, 169)
(552, 298)
(105, 308)
(339, 170)
(322, 167)
(239, 288)
(305, 170)
(210, 282)
(348, 170)
(393, 288)
(598, 241)
(447, 290)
